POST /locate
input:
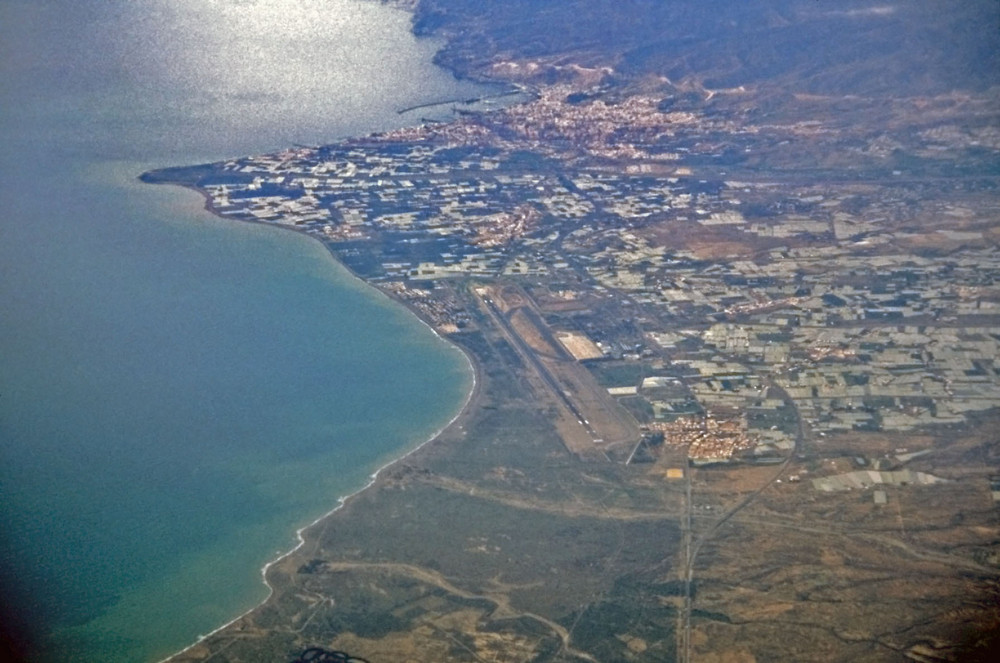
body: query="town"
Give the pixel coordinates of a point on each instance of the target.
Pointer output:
(735, 320)
(851, 305)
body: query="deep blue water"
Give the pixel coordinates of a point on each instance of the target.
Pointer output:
(179, 393)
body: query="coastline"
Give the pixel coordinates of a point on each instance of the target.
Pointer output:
(650, 590)
(508, 89)
(301, 533)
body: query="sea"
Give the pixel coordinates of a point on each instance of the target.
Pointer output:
(179, 393)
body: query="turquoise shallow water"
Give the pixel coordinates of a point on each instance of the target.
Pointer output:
(179, 393)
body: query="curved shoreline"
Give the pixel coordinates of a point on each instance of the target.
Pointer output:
(471, 397)
(342, 501)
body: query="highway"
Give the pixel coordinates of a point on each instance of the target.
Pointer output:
(692, 546)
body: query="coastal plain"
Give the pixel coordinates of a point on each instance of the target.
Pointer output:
(735, 329)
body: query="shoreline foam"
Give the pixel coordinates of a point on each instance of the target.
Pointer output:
(373, 478)
(300, 533)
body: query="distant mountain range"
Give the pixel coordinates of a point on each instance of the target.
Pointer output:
(854, 47)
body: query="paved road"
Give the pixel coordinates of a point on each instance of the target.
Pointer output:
(693, 546)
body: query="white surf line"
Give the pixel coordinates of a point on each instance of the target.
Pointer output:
(341, 501)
